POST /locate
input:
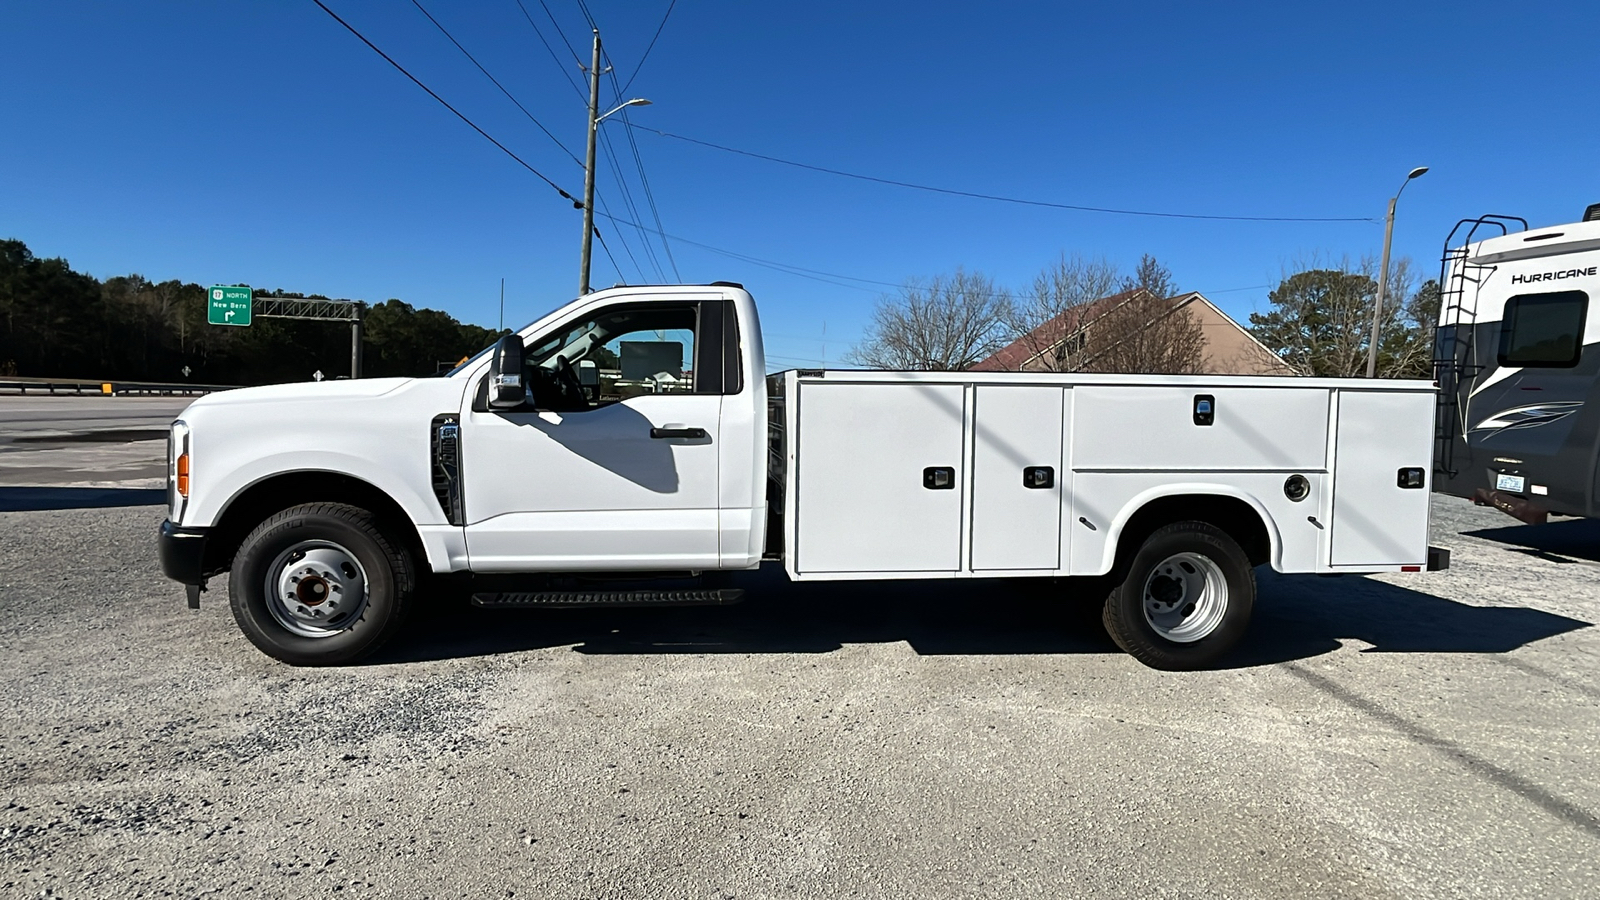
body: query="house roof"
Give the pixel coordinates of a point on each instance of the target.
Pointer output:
(1015, 355)
(1268, 356)
(1053, 331)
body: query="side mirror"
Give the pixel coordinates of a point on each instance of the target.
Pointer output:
(506, 388)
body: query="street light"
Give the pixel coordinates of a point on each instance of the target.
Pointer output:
(588, 169)
(637, 101)
(1383, 272)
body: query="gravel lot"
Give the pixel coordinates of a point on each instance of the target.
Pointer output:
(1404, 736)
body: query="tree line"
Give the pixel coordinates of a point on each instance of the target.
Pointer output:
(1086, 315)
(59, 323)
(1320, 321)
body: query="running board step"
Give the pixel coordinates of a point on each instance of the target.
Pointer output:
(544, 599)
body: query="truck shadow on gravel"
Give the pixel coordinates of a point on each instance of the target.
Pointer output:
(1295, 618)
(1575, 538)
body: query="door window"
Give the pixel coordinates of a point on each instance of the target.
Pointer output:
(1543, 330)
(616, 355)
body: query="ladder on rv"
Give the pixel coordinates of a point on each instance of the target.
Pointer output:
(1454, 358)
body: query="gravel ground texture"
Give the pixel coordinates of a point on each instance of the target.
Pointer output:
(1389, 736)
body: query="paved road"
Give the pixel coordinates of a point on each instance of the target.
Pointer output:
(1398, 736)
(85, 441)
(25, 414)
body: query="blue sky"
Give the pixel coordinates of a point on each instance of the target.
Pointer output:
(261, 143)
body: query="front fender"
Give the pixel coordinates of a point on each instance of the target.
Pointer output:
(215, 492)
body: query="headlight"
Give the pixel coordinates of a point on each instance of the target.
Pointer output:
(178, 469)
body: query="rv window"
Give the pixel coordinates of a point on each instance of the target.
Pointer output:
(1543, 330)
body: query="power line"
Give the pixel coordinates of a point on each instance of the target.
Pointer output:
(787, 268)
(628, 201)
(650, 198)
(520, 161)
(652, 45)
(996, 197)
(473, 125)
(554, 57)
(496, 82)
(610, 151)
(598, 198)
(600, 237)
(830, 277)
(588, 18)
(644, 178)
(570, 49)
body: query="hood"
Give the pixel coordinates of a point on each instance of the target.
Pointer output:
(344, 389)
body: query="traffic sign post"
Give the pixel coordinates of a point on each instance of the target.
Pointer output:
(228, 305)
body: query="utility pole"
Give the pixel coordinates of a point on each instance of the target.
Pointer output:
(1383, 284)
(355, 341)
(588, 167)
(502, 304)
(1383, 274)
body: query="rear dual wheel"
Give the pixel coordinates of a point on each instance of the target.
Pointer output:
(1185, 599)
(320, 584)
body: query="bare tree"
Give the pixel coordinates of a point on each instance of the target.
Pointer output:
(1407, 351)
(1143, 329)
(947, 323)
(1045, 321)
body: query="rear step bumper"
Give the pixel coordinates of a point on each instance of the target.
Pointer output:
(548, 599)
(1438, 559)
(1513, 505)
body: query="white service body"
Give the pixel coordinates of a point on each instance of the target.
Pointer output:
(857, 507)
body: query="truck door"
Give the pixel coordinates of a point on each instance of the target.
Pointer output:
(614, 466)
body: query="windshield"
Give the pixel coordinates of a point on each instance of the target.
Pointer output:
(479, 355)
(469, 361)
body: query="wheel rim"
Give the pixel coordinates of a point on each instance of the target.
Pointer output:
(316, 589)
(1185, 597)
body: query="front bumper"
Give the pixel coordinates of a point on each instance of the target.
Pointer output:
(182, 552)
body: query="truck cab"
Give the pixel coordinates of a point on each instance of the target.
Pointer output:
(638, 433)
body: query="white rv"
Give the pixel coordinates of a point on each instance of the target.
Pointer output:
(678, 455)
(1518, 367)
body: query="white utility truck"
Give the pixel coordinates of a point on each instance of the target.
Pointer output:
(636, 433)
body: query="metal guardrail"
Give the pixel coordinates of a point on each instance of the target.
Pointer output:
(14, 384)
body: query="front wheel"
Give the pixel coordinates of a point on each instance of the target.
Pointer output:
(1185, 600)
(320, 584)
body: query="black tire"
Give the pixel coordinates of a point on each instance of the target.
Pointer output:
(388, 579)
(1196, 553)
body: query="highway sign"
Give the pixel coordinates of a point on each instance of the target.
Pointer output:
(228, 305)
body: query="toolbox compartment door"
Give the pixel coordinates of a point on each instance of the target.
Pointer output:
(1017, 477)
(865, 499)
(1376, 521)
